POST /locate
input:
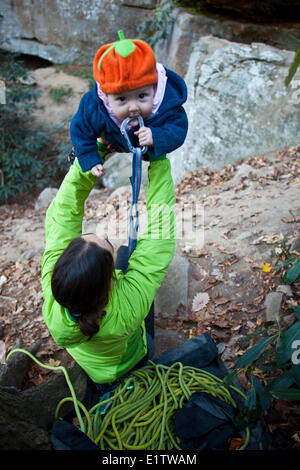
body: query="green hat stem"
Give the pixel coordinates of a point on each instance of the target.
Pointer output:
(123, 47)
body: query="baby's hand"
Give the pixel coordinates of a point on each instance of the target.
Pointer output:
(98, 170)
(145, 136)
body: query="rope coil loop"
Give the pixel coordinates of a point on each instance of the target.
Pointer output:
(139, 413)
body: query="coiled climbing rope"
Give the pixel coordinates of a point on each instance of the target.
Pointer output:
(139, 413)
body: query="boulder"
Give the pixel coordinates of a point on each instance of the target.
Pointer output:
(285, 289)
(119, 169)
(64, 32)
(47, 28)
(174, 51)
(295, 248)
(26, 416)
(174, 288)
(168, 340)
(238, 105)
(45, 198)
(273, 302)
(265, 10)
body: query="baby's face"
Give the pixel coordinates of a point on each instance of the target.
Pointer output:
(132, 103)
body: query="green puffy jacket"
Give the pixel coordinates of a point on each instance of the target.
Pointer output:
(121, 341)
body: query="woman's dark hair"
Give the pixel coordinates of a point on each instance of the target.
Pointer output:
(81, 281)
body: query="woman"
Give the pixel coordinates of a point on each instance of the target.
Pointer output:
(93, 310)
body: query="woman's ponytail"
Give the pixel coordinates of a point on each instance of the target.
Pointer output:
(81, 282)
(89, 322)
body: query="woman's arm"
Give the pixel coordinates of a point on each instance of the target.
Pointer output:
(86, 126)
(149, 262)
(64, 216)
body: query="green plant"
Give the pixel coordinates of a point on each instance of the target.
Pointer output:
(18, 144)
(276, 352)
(295, 65)
(28, 153)
(293, 272)
(278, 344)
(58, 95)
(160, 25)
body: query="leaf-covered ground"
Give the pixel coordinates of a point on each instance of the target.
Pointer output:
(252, 218)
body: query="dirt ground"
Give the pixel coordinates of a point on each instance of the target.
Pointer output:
(248, 222)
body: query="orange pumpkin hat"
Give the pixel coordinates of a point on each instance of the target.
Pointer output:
(124, 65)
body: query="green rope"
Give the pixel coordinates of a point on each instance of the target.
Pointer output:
(141, 409)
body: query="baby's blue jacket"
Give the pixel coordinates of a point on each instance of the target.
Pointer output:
(168, 124)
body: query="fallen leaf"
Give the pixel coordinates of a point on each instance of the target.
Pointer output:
(181, 186)
(234, 307)
(227, 235)
(3, 280)
(296, 436)
(42, 353)
(221, 300)
(288, 220)
(187, 249)
(237, 328)
(230, 261)
(199, 301)
(266, 267)
(170, 326)
(183, 313)
(242, 378)
(192, 333)
(53, 363)
(221, 323)
(200, 330)
(197, 254)
(210, 283)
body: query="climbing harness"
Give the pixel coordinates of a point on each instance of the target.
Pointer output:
(135, 181)
(139, 413)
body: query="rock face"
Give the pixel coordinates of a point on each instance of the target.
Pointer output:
(175, 51)
(238, 104)
(63, 31)
(45, 198)
(26, 416)
(174, 288)
(259, 11)
(119, 169)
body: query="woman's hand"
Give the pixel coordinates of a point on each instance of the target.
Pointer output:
(102, 139)
(98, 170)
(145, 136)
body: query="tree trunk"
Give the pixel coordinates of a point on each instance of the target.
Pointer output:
(17, 429)
(26, 416)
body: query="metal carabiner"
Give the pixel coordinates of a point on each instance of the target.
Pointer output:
(124, 133)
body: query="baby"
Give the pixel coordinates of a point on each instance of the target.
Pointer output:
(129, 83)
